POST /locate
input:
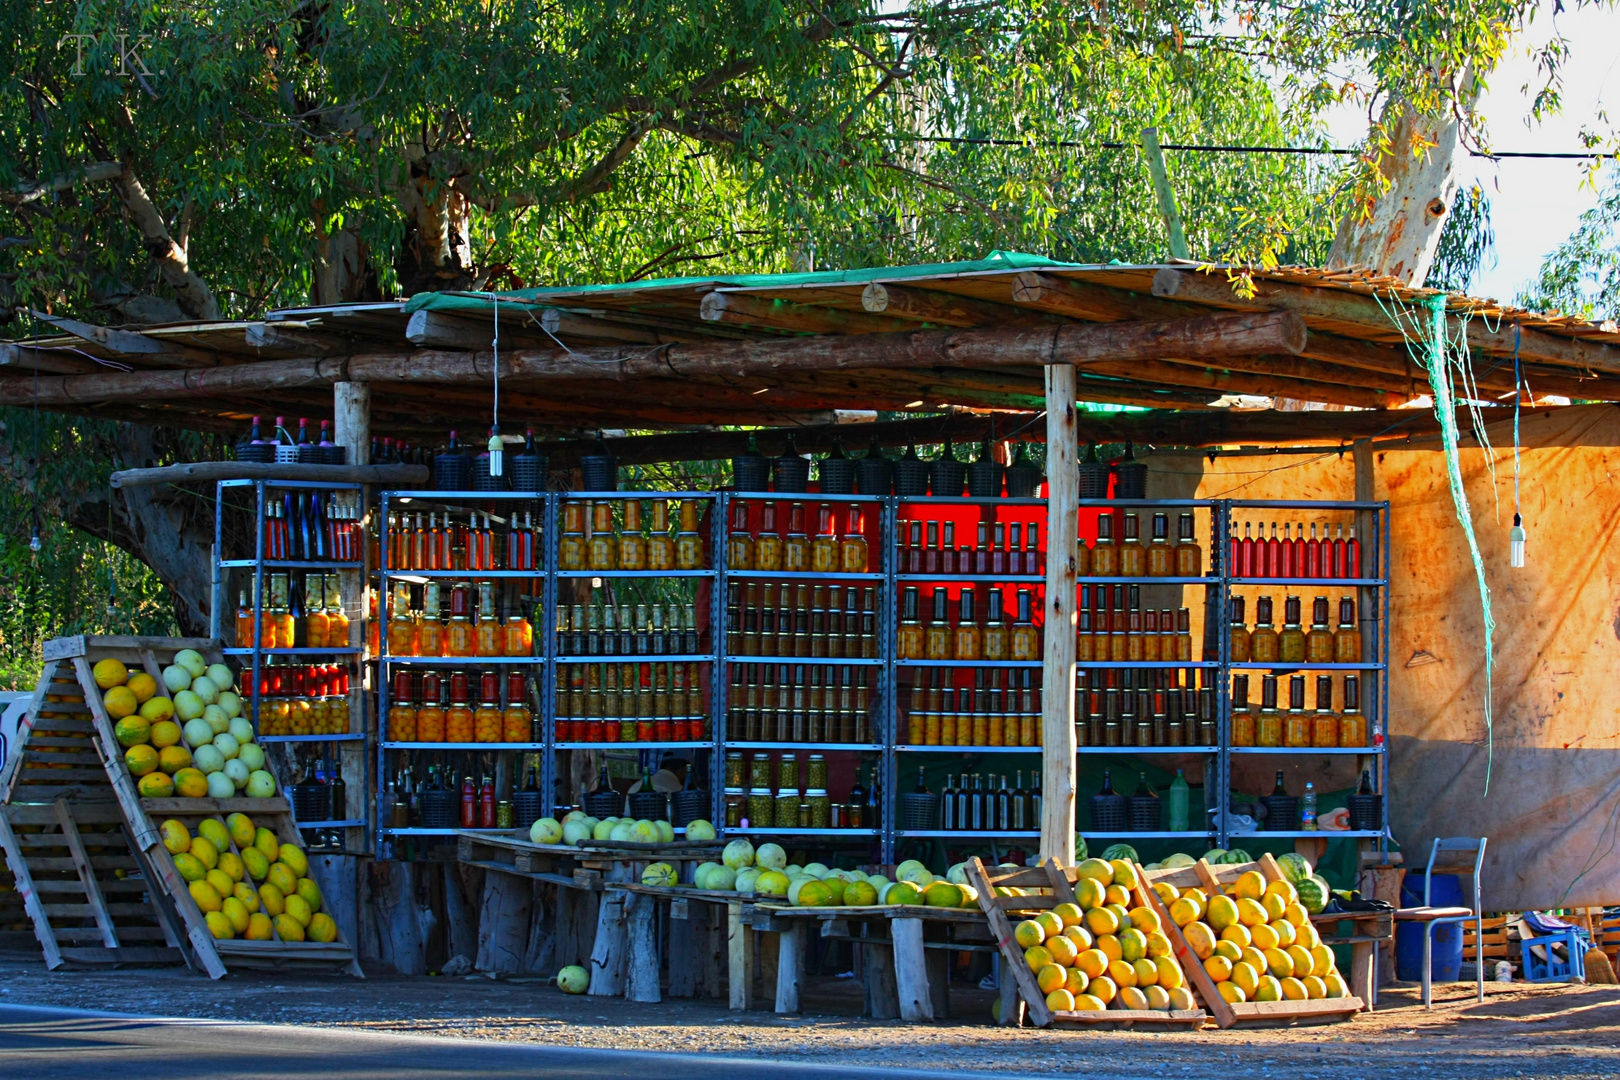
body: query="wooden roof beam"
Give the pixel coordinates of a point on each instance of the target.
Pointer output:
(947, 309)
(761, 312)
(1092, 303)
(436, 330)
(1339, 305)
(1226, 381)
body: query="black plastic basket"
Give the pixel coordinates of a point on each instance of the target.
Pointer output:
(482, 481)
(333, 455)
(599, 472)
(750, 471)
(1132, 476)
(651, 805)
(837, 474)
(911, 475)
(1110, 813)
(527, 808)
(440, 809)
(984, 476)
(1023, 476)
(792, 471)
(874, 473)
(919, 811)
(687, 806)
(1282, 812)
(311, 802)
(452, 471)
(601, 804)
(530, 472)
(1366, 812)
(947, 476)
(1093, 475)
(261, 452)
(1146, 813)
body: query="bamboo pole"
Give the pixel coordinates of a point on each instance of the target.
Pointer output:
(391, 475)
(1057, 675)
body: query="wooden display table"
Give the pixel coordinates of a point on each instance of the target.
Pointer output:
(1369, 929)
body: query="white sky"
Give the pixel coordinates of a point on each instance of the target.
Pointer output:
(1536, 204)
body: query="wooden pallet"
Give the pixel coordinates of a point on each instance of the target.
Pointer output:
(1057, 885)
(67, 751)
(1498, 942)
(1248, 1013)
(84, 887)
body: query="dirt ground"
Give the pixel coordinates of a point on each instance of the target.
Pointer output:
(1520, 1030)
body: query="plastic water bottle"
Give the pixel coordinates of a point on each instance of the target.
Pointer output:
(1307, 808)
(1175, 804)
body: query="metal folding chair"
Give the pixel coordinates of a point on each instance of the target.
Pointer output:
(1454, 855)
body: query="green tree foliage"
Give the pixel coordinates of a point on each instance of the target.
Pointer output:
(1582, 275)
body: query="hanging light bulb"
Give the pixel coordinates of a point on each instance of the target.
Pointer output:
(1516, 543)
(35, 544)
(495, 447)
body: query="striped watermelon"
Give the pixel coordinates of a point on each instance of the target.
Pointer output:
(1313, 894)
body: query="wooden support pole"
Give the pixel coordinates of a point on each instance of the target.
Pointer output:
(252, 470)
(351, 428)
(740, 956)
(642, 961)
(1057, 674)
(882, 995)
(790, 966)
(911, 971)
(609, 953)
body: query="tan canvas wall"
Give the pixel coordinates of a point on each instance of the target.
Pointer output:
(1552, 812)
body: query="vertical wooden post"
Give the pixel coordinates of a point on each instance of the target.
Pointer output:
(740, 956)
(351, 420)
(1057, 677)
(911, 970)
(351, 428)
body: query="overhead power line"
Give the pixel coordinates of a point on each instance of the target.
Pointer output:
(1218, 148)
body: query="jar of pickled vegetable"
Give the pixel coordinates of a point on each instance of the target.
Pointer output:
(787, 808)
(759, 771)
(734, 770)
(816, 774)
(787, 772)
(762, 808)
(820, 808)
(734, 807)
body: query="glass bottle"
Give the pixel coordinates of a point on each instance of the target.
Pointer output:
(430, 714)
(632, 545)
(1291, 641)
(1189, 561)
(1319, 642)
(517, 722)
(909, 643)
(402, 713)
(824, 554)
(1325, 722)
(402, 628)
(1352, 722)
(1347, 639)
(660, 548)
(244, 621)
(489, 638)
(337, 621)
(997, 637)
(286, 626)
(1104, 554)
(1264, 646)
(1307, 808)
(1238, 633)
(796, 549)
(315, 620)
(458, 718)
(571, 549)
(968, 640)
(519, 636)
(853, 555)
(1297, 724)
(742, 553)
(430, 629)
(768, 548)
(602, 548)
(1161, 558)
(1132, 555)
(1268, 724)
(487, 717)
(1026, 638)
(688, 542)
(937, 637)
(1033, 564)
(1176, 800)
(459, 639)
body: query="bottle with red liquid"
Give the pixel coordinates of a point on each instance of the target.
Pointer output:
(1301, 551)
(486, 804)
(1313, 556)
(1352, 555)
(1251, 558)
(1272, 551)
(1234, 551)
(469, 804)
(1339, 553)
(1285, 555)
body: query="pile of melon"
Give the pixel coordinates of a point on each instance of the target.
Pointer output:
(246, 883)
(1255, 939)
(578, 827)
(194, 744)
(1098, 952)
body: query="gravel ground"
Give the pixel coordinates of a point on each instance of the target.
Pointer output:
(1520, 1030)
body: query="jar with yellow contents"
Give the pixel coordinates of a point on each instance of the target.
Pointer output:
(603, 546)
(688, 542)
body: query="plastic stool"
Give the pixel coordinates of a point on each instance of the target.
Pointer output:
(1549, 968)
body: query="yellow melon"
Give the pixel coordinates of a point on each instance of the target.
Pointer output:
(171, 759)
(1170, 973)
(271, 898)
(1063, 949)
(221, 881)
(1123, 972)
(1109, 945)
(205, 895)
(1103, 989)
(109, 673)
(248, 895)
(190, 783)
(288, 928)
(1050, 978)
(1060, 1000)
(165, 733)
(1147, 972)
(1218, 968)
(141, 759)
(1132, 998)
(1231, 992)
(237, 912)
(1075, 981)
(219, 925)
(322, 928)
(142, 685)
(1093, 962)
(1250, 885)
(1036, 956)
(155, 785)
(259, 927)
(1245, 978)
(1200, 939)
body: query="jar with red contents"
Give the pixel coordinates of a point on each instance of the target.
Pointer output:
(663, 729)
(696, 728)
(610, 730)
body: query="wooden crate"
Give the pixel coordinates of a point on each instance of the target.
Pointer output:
(84, 887)
(1056, 885)
(67, 751)
(1249, 1013)
(1606, 933)
(1498, 941)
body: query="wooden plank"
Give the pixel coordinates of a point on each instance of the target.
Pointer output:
(1126, 1019)
(790, 968)
(911, 971)
(1012, 957)
(882, 993)
(608, 955)
(87, 876)
(30, 897)
(641, 949)
(1220, 1010)
(206, 807)
(1058, 657)
(14, 764)
(139, 956)
(740, 955)
(1062, 890)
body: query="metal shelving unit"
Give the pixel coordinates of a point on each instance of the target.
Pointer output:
(255, 656)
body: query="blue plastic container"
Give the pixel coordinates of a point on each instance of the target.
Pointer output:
(1445, 963)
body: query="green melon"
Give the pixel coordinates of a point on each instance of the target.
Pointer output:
(1294, 867)
(1079, 852)
(1235, 856)
(1313, 894)
(942, 894)
(1119, 851)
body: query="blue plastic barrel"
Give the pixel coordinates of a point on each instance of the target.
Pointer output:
(1445, 963)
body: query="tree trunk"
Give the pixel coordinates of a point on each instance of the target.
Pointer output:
(437, 252)
(342, 270)
(1398, 234)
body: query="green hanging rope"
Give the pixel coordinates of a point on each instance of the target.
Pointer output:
(1434, 359)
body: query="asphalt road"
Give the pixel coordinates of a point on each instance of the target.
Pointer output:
(47, 1044)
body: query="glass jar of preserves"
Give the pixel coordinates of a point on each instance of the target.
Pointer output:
(1347, 638)
(787, 772)
(759, 771)
(1291, 641)
(1297, 723)
(787, 808)
(1242, 713)
(632, 545)
(1263, 642)
(796, 550)
(1319, 643)
(571, 547)
(734, 807)
(1352, 722)
(825, 557)
(734, 770)
(688, 551)
(1161, 557)
(816, 772)
(852, 549)
(1132, 554)
(1268, 724)
(820, 808)
(1324, 722)
(1189, 556)
(1238, 633)
(741, 550)
(503, 814)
